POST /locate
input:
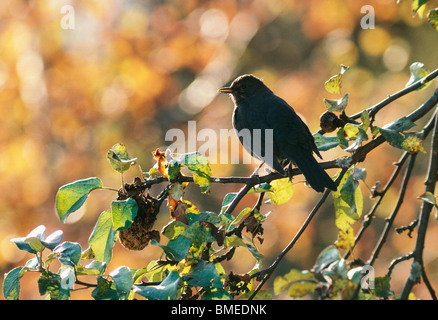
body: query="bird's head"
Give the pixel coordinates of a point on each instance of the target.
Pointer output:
(244, 87)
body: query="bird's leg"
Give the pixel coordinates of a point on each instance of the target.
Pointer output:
(289, 171)
(256, 172)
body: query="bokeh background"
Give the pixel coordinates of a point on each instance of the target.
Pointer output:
(131, 70)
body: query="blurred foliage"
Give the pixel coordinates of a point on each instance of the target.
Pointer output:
(131, 70)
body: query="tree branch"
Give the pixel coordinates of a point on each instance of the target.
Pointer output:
(426, 209)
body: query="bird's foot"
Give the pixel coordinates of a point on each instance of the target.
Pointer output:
(289, 172)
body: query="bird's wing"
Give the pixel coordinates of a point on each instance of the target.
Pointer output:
(290, 132)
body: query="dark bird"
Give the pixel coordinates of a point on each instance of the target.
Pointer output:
(289, 140)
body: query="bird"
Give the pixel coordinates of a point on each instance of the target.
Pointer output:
(257, 107)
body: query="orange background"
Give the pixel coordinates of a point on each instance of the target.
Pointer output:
(131, 70)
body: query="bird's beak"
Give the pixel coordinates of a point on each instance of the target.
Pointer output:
(226, 90)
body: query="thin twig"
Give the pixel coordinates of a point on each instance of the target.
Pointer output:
(268, 272)
(390, 219)
(426, 209)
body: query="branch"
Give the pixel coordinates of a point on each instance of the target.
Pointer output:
(390, 219)
(268, 272)
(424, 214)
(391, 98)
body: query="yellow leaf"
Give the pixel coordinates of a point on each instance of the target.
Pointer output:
(345, 239)
(333, 85)
(282, 190)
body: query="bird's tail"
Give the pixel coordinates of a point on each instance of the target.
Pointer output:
(315, 174)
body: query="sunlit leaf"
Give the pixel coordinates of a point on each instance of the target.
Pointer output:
(418, 72)
(123, 280)
(72, 196)
(333, 85)
(124, 213)
(50, 283)
(299, 283)
(325, 258)
(355, 133)
(32, 242)
(337, 105)
(282, 191)
(418, 7)
(68, 252)
(348, 202)
(119, 158)
(174, 229)
(103, 237)
(105, 290)
(167, 290)
(346, 239)
(11, 284)
(198, 165)
(383, 287)
(204, 274)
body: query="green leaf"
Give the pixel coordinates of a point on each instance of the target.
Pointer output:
(324, 143)
(326, 258)
(72, 196)
(31, 243)
(300, 283)
(207, 216)
(105, 290)
(401, 124)
(167, 290)
(198, 165)
(282, 191)
(53, 239)
(119, 158)
(234, 241)
(176, 249)
(383, 287)
(123, 280)
(174, 168)
(240, 216)
(432, 18)
(103, 237)
(228, 199)
(337, 105)
(93, 268)
(365, 118)
(198, 233)
(257, 255)
(69, 253)
(124, 213)
(357, 134)
(204, 274)
(174, 229)
(11, 284)
(408, 141)
(50, 283)
(417, 73)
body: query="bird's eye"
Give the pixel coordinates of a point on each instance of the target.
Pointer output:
(243, 87)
